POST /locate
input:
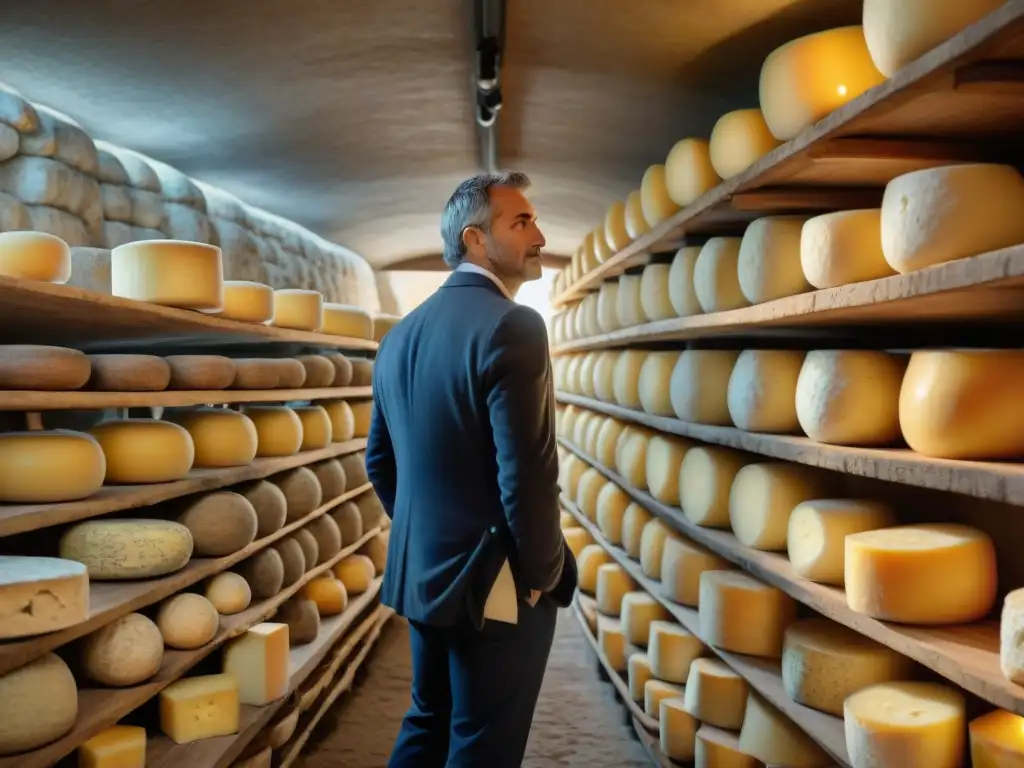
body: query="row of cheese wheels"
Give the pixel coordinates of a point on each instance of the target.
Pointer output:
(800, 83)
(921, 223)
(945, 403)
(55, 466)
(48, 368)
(207, 525)
(188, 275)
(891, 719)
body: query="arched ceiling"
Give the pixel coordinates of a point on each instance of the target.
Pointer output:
(355, 118)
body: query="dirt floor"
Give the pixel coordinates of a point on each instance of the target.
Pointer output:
(578, 721)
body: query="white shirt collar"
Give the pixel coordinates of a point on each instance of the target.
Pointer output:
(467, 266)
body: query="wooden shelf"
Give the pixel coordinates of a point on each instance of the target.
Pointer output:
(100, 708)
(763, 675)
(982, 288)
(19, 518)
(652, 746)
(111, 600)
(79, 400)
(68, 316)
(162, 752)
(952, 104)
(967, 655)
(1003, 482)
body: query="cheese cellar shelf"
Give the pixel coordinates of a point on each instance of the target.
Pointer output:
(34, 401)
(940, 108)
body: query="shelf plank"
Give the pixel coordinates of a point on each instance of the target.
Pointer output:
(111, 600)
(19, 518)
(100, 708)
(981, 288)
(763, 675)
(69, 316)
(967, 655)
(943, 95)
(652, 746)
(79, 400)
(995, 481)
(220, 752)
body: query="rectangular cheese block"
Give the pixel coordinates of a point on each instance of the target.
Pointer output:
(258, 660)
(120, 746)
(200, 708)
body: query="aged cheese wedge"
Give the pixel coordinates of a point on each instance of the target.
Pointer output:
(41, 594)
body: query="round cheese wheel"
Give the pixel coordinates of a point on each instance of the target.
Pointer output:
(924, 214)
(372, 511)
(964, 404)
(843, 247)
(201, 372)
(347, 320)
(655, 199)
(689, 172)
(613, 583)
(817, 533)
(298, 309)
(310, 548)
(278, 430)
(589, 488)
(604, 376)
(607, 441)
(264, 573)
(639, 611)
(329, 595)
(350, 522)
(763, 496)
(653, 383)
(626, 378)
(316, 427)
(127, 651)
(139, 451)
(655, 300)
(715, 275)
(38, 705)
(269, 504)
(171, 273)
(682, 291)
(995, 738)
(612, 643)
(602, 251)
(665, 455)
(714, 748)
(293, 560)
(733, 601)
(187, 621)
(586, 374)
(121, 549)
(608, 306)
(773, 738)
(576, 538)
(319, 371)
(739, 139)
(631, 457)
(768, 266)
(356, 572)
(715, 694)
(652, 547)
(629, 306)
(638, 672)
(611, 507)
(221, 523)
(354, 465)
(35, 256)
(129, 373)
(586, 317)
(49, 466)
(636, 224)
(591, 558)
(706, 477)
(377, 550)
(34, 367)
(615, 227)
(634, 520)
(761, 395)
(571, 472)
(303, 620)
(850, 397)
(331, 477)
(301, 490)
(291, 373)
(256, 373)
(682, 563)
(350, 372)
(229, 593)
(247, 302)
(221, 437)
(343, 420)
(700, 384)
(672, 650)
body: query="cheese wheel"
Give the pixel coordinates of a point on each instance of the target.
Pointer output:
(247, 302)
(49, 466)
(347, 320)
(653, 382)
(611, 508)
(187, 621)
(316, 427)
(699, 385)
(761, 395)
(278, 430)
(912, 724)
(638, 671)
(807, 78)
(636, 224)
(576, 539)
(921, 574)
(589, 488)
(607, 441)
(850, 397)
(298, 309)
(923, 214)
(35, 256)
(291, 373)
(652, 547)
(129, 373)
(567, 521)
(221, 523)
(229, 593)
(682, 563)
(689, 172)
(302, 492)
(763, 496)
(356, 572)
(626, 378)
(738, 613)
(682, 291)
(997, 740)
(35, 367)
(714, 748)
(613, 584)
(773, 738)
(264, 573)
(591, 558)
(382, 323)
(768, 266)
(739, 139)
(586, 374)
(586, 317)
(343, 420)
(171, 273)
(350, 372)
(127, 651)
(655, 199)
(319, 371)
(569, 479)
(657, 691)
(637, 612)
(1011, 628)
(677, 730)
(602, 251)
(612, 643)
(816, 539)
(354, 465)
(220, 437)
(665, 456)
(655, 300)
(139, 451)
(705, 478)
(256, 373)
(615, 233)
(672, 649)
(608, 306)
(843, 247)
(715, 694)
(634, 521)
(119, 549)
(38, 705)
(201, 372)
(716, 275)
(328, 593)
(269, 503)
(41, 594)
(631, 458)
(964, 404)
(629, 308)
(900, 31)
(293, 560)
(824, 662)
(303, 620)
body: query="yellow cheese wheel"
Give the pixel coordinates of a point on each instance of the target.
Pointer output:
(187, 621)
(613, 584)
(843, 247)
(716, 277)
(655, 298)
(328, 593)
(677, 730)
(665, 454)
(611, 508)
(997, 740)
(576, 538)
(629, 302)
(278, 429)
(653, 382)
(51, 466)
(298, 309)
(739, 139)
(768, 266)
(699, 385)
(615, 227)
(38, 705)
(316, 427)
(35, 256)
(682, 563)
(656, 692)
(229, 593)
(171, 273)
(607, 441)
(652, 547)
(247, 302)
(689, 172)
(714, 748)
(706, 477)
(221, 437)
(626, 378)
(591, 558)
(636, 224)
(773, 738)
(816, 539)
(631, 457)
(761, 395)
(608, 306)
(356, 572)
(343, 420)
(638, 671)
(569, 479)
(612, 643)
(139, 451)
(738, 613)
(681, 289)
(638, 612)
(634, 521)
(347, 320)
(589, 488)
(672, 649)
(715, 694)
(602, 251)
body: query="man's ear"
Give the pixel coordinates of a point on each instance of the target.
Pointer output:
(473, 239)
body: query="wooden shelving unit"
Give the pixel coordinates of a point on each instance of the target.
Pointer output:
(21, 400)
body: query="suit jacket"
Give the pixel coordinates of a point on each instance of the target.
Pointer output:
(462, 453)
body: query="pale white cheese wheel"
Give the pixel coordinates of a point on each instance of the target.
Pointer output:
(671, 650)
(347, 320)
(807, 78)
(611, 507)
(615, 226)
(681, 289)
(628, 304)
(608, 306)
(655, 200)
(127, 651)
(705, 479)
(699, 385)
(636, 224)
(850, 397)
(123, 550)
(187, 621)
(49, 466)
(35, 256)
(762, 390)
(689, 172)
(626, 379)
(843, 247)
(741, 614)
(937, 215)
(221, 437)
(171, 273)
(653, 383)
(41, 594)
(655, 299)
(763, 496)
(139, 451)
(665, 454)
(586, 374)
(613, 583)
(1011, 628)
(247, 302)
(816, 540)
(604, 376)
(768, 266)
(682, 563)
(586, 317)
(715, 275)
(739, 139)
(587, 490)
(38, 705)
(229, 593)
(633, 524)
(652, 547)
(602, 251)
(298, 309)
(773, 738)
(639, 610)
(716, 695)
(631, 456)
(964, 404)
(899, 31)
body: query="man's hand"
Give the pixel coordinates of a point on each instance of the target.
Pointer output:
(534, 597)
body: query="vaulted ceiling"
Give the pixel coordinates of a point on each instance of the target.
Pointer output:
(356, 118)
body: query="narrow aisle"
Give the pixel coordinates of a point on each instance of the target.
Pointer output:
(578, 721)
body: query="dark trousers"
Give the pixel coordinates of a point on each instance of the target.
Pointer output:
(474, 692)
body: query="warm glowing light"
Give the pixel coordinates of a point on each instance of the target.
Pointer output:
(841, 90)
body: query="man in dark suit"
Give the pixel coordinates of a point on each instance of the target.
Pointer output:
(462, 453)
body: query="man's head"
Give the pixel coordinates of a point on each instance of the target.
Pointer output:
(489, 222)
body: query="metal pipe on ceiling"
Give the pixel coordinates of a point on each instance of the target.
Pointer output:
(488, 49)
